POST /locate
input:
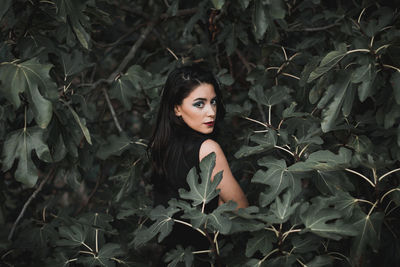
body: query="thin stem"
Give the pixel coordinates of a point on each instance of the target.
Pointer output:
(382, 47)
(362, 176)
(97, 240)
(388, 173)
(284, 53)
(374, 175)
(110, 106)
(284, 149)
(304, 149)
(87, 252)
(256, 121)
(388, 192)
(272, 229)
(89, 248)
(286, 234)
(202, 251)
(359, 17)
(391, 67)
(269, 114)
(290, 75)
(269, 254)
(216, 242)
(188, 224)
(172, 53)
(373, 207)
(358, 50)
(21, 214)
(363, 200)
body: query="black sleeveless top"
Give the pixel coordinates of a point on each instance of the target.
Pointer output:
(183, 154)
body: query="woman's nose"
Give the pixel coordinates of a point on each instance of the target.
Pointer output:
(211, 111)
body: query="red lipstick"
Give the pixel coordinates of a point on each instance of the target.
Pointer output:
(209, 124)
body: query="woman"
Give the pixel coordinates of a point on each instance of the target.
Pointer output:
(191, 106)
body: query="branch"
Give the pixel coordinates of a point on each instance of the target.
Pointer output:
(21, 214)
(114, 116)
(132, 51)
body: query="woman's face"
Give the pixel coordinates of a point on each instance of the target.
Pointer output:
(199, 109)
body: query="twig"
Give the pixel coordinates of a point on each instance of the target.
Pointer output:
(114, 116)
(132, 51)
(362, 176)
(21, 214)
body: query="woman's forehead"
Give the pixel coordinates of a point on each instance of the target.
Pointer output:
(204, 90)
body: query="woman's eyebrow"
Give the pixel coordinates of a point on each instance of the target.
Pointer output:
(203, 99)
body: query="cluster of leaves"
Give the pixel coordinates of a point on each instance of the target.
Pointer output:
(312, 91)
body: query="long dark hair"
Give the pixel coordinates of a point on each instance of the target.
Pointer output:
(180, 83)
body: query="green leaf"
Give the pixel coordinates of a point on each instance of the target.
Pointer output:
(276, 9)
(261, 241)
(328, 182)
(81, 122)
(115, 146)
(218, 4)
(324, 160)
(19, 145)
(278, 178)
(5, 6)
(72, 62)
(123, 90)
(29, 77)
(259, 19)
(265, 143)
(369, 232)
(282, 209)
(162, 226)
(179, 255)
(205, 191)
(305, 243)
(73, 236)
(319, 222)
(331, 113)
(71, 11)
(271, 97)
(327, 63)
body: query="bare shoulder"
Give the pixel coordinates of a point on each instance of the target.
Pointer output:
(209, 146)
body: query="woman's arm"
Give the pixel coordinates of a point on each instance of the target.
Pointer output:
(230, 189)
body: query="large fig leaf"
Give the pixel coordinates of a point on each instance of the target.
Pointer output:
(162, 226)
(278, 178)
(72, 11)
(178, 255)
(369, 232)
(331, 113)
(205, 191)
(19, 146)
(261, 241)
(282, 209)
(260, 21)
(265, 143)
(319, 222)
(324, 160)
(32, 78)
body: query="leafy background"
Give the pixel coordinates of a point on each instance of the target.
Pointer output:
(312, 90)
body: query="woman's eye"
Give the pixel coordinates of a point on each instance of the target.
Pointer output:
(214, 102)
(198, 104)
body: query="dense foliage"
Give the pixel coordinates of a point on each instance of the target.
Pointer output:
(312, 90)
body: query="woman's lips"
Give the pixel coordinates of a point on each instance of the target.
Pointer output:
(209, 124)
